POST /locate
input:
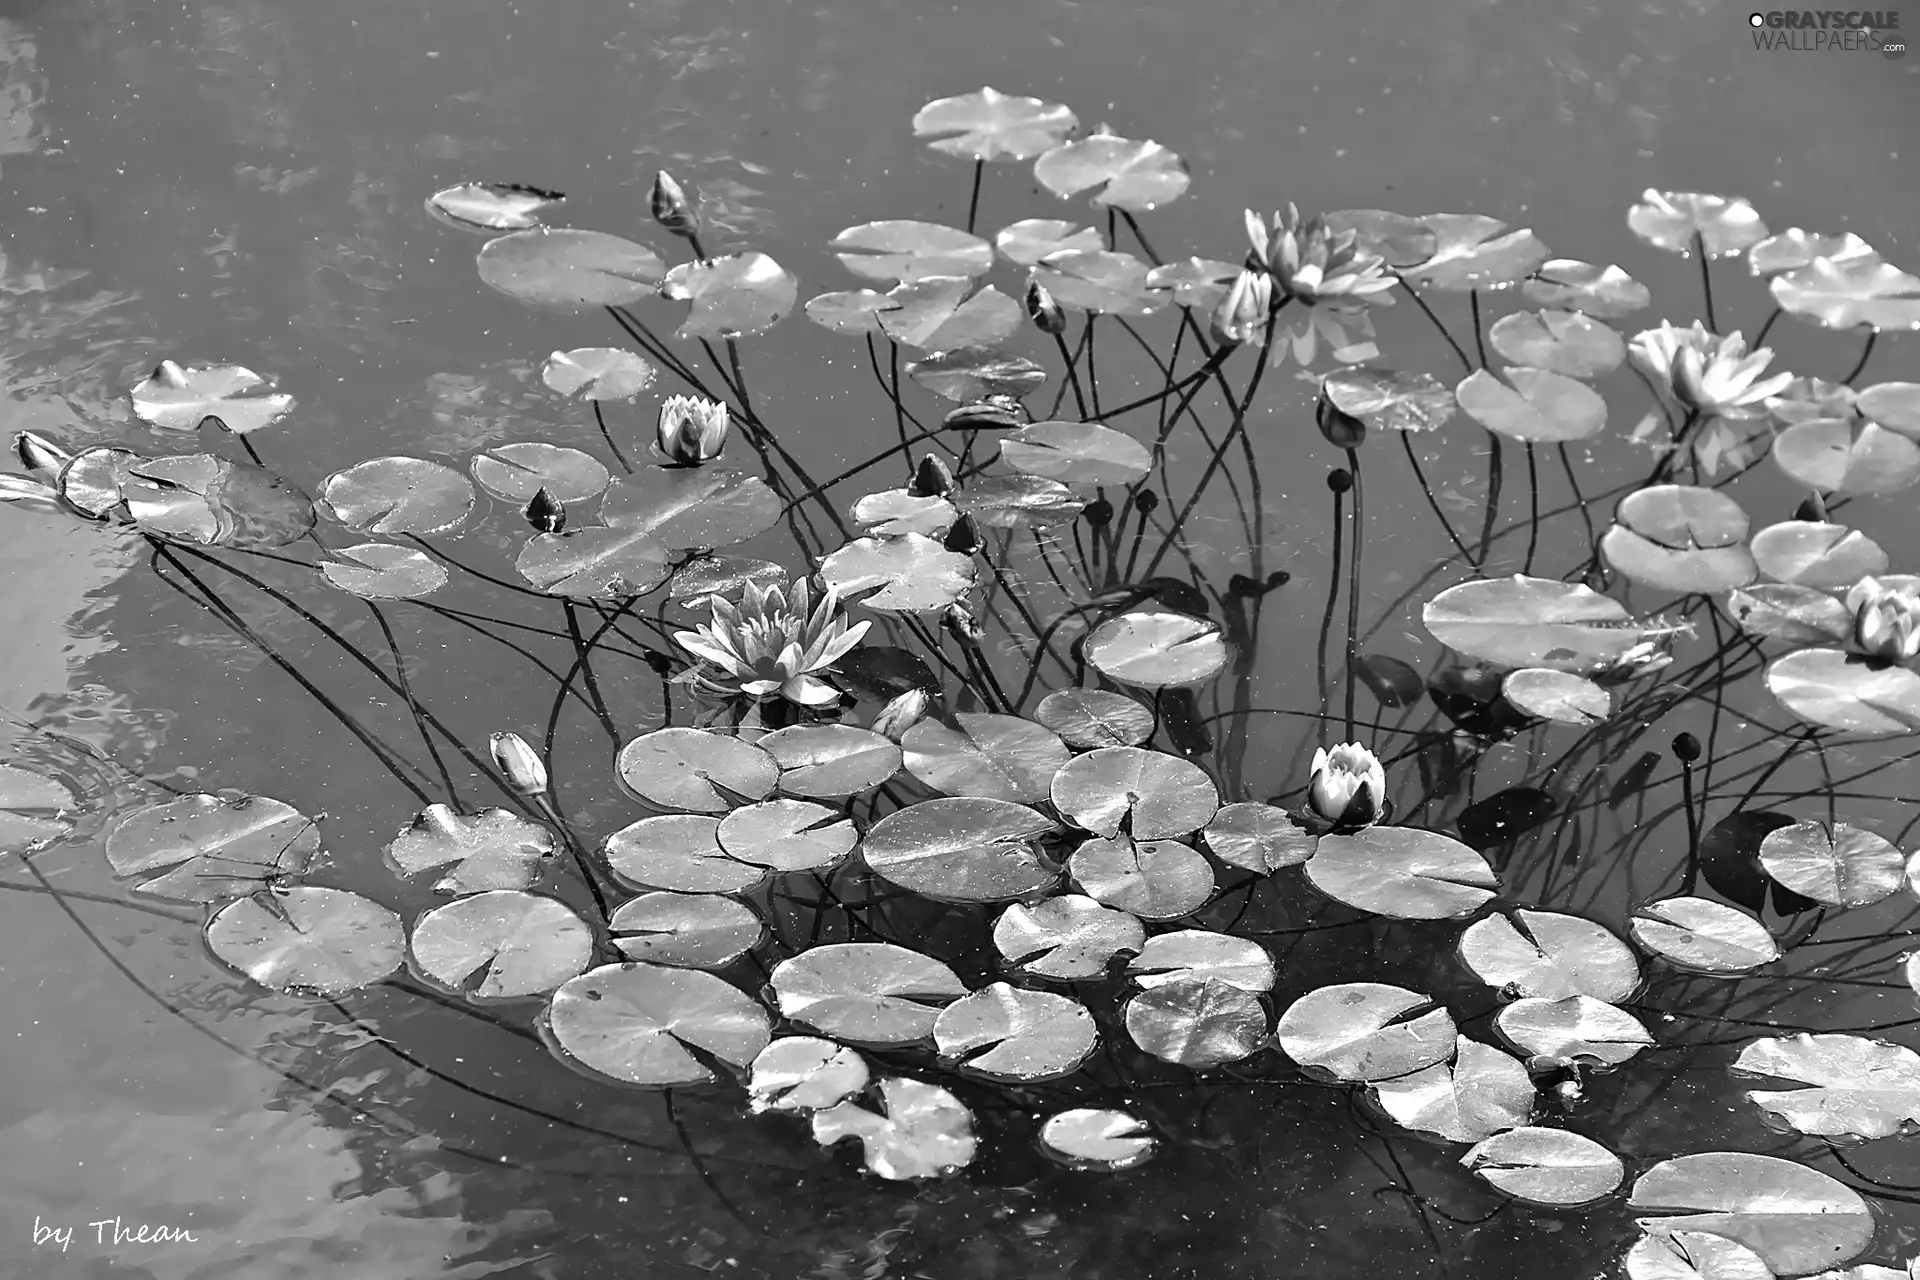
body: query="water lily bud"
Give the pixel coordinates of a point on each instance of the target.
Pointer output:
(1349, 785)
(1339, 480)
(526, 775)
(1812, 508)
(671, 208)
(546, 513)
(1241, 315)
(28, 492)
(900, 715)
(1146, 501)
(692, 430)
(964, 537)
(1886, 620)
(933, 478)
(1098, 513)
(966, 628)
(40, 456)
(1046, 313)
(1686, 747)
(1342, 429)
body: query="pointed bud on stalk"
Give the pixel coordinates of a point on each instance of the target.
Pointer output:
(1146, 502)
(40, 456)
(964, 537)
(900, 715)
(546, 513)
(671, 208)
(1241, 316)
(1098, 513)
(526, 775)
(966, 628)
(692, 430)
(933, 478)
(1886, 620)
(1686, 747)
(1349, 786)
(1339, 480)
(28, 492)
(1046, 313)
(1341, 429)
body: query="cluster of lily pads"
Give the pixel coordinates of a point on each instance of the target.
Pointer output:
(1008, 741)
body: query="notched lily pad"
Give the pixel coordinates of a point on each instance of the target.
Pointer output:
(1388, 399)
(865, 992)
(1366, 1031)
(679, 852)
(901, 250)
(1538, 406)
(1153, 650)
(487, 207)
(788, 835)
(515, 472)
(1198, 1023)
(382, 571)
(995, 756)
(1573, 1031)
(176, 397)
(398, 495)
(501, 944)
(1671, 220)
(1080, 453)
(1007, 1033)
(831, 760)
(1153, 879)
(687, 930)
(989, 125)
(652, 1026)
(1122, 173)
(1087, 718)
(1858, 1089)
(925, 1132)
(1258, 837)
(1844, 867)
(914, 573)
(1533, 622)
(1068, 938)
(1796, 1218)
(594, 563)
(1550, 955)
(491, 849)
(1480, 1093)
(1550, 1168)
(734, 295)
(962, 849)
(696, 769)
(1703, 936)
(1402, 872)
(570, 270)
(216, 846)
(971, 374)
(308, 941)
(1843, 691)
(804, 1074)
(1097, 1138)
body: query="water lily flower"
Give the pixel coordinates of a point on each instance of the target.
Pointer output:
(1312, 262)
(1349, 785)
(1707, 374)
(42, 458)
(1242, 314)
(526, 775)
(692, 430)
(769, 646)
(1886, 620)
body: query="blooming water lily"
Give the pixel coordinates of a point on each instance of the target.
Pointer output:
(692, 430)
(1349, 785)
(769, 646)
(1886, 620)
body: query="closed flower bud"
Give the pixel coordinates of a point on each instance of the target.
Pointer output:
(692, 430)
(966, 628)
(933, 478)
(1146, 502)
(546, 513)
(1686, 747)
(1342, 429)
(1098, 513)
(1886, 620)
(28, 492)
(671, 208)
(526, 775)
(900, 715)
(964, 537)
(40, 456)
(1349, 785)
(1046, 313)
(1241, 316)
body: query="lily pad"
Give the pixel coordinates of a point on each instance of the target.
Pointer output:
(1154, 879)
(1082, 453)
(215, 846)
(1018, 502)
(734, 295)
(1402, 872)
(1096, 718)
(202, 499)
(1694, 1255)
(1841, 457)
(1389, 400)
(1002, 1032)
(1097, 1138)
(1606, 292)
(1398, 239)
(1533, 622)
(594, 563)
(1550, 955)
(1894, 405)
(491, 206)
(1480, 1093)
(903, 250)
(683, 507)
(598, 373)
(679, 852)
(865, 992)
(925, 1131)
(179, 398)
(915, 574)
(1671, 220)
(1846, 867)
(1539, 406)
(1849, 294)
(1795, 615)
(398, 495)
(501, 944)
(996, 756)
(1366, 1031)
(939, 313)
(831, 760)
(1703, 936)
(1571, 1031)
(570, 270)
(974, 373)
(1099, 281)
(1191, 954)
(1858, 1088)
(1155, 650)
(1565, 342)
(695, 769)
(895, 511)
(90, 480)
(696, 582)
(381, 571)
(1550, 1168)
(1797, 248)
(803, 1074)
(491, 849)
(1150, 794)
(1812, 553)
(961, 849)
(1796, 1218)
(1025, 242)
(989, 125)
(1121, 173)
(653, 1026)
(686, 930)
(516, 472)
(1560, 696)
(1470, 253)
(1845, 692)
(1199, 1023)
(1200, 283)
(855, 311)
(1258, 837)
(308, 941)
(1068, 938)
(788, 835)
(30, 808)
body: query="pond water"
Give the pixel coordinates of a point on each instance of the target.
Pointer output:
(244, 183)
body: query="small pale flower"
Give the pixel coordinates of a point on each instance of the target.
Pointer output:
(521, 764)
(1241, 317)
(1312, 262)
(1705, 373)
(692, 430)
(1349, 785)
(769, 646)
(1886, 620)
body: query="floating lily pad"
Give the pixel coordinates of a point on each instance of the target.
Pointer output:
(831, 760)
(1894, 405)
(1858, 1088)
(598, 373)
(1480, 1093)
(308, 941)
(1018, 502)
(1551, 1168)
(1200, 283)
(1258, 837)
(1001, 1032)
(1151, 794)
(1797, 248)
(1846, 867)
(1025, 242)
(687, 930)
(915, 574)
(696, 769)
(90, 480)
(854, 311)
(1187, 955)
(989, 125)
(1843, 458)
(216, 846)
(788, 835)
(803, 1074)
(1155, 650)
(1842, 691)
(594, 563)
(1532, 622)
(996, 756)
(1097, 1138)
(1366, 1031)
(178, 398)
(1671, 220)
(1571, 1031)
(1390, 400)
(974, 373)
(516, 472)
(1399, 240)
(1550, 955)
(961, 849)
(1607, 292)
(865, 992)
(940, 313)
(925, 1132)
(679, 852)
(1694, 1255)
(1392, 682)
(501, 944)
(1099, 281)
(1539, 406)
(398, 495)
(641, 1024)
(1565, 342)
(570, 270)
(1849, 294)
(734, 295)
(1068, 938)
(1197, 1022)
(491, 849)
(1797, 1219)
(1121, 173)
(1402, 872)
(1795, 615)
(698, 581)
(1704, 936)
(381, 571)
(199, 498)
(682, 507)
(30, 807)
(895, 511)
(1154, 879)
(1096, 718)
(491, 206)
(903, 250)
(1560, 696)
(1470, 253)
(1082, 453)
